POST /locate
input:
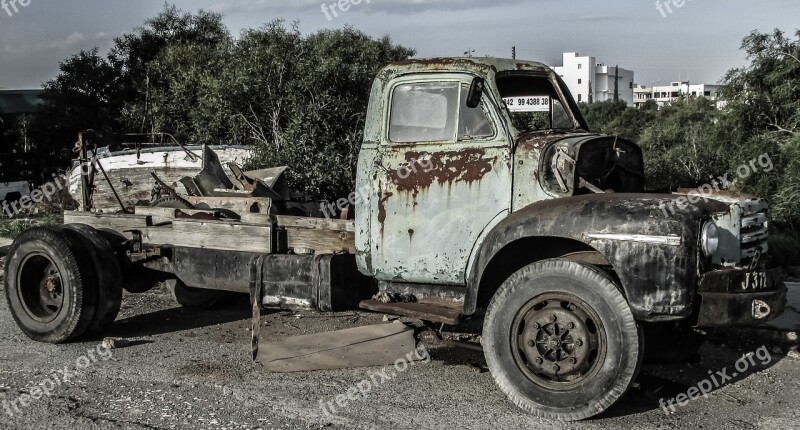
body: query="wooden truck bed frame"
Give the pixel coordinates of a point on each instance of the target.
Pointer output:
(287, 261)
(257, 231)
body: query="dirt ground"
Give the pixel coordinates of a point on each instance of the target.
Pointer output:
(192, 370)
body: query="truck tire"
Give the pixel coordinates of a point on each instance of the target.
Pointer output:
(560, 340)
(197, 298)
(51, 287)
(109, 277)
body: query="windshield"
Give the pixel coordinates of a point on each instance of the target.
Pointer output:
(533, 103)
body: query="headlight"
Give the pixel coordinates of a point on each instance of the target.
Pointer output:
(710, 239)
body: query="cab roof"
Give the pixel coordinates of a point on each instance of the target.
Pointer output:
(478, 65)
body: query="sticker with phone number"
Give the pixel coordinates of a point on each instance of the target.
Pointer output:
(528, 104)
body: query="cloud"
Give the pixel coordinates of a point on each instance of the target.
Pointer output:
(70, 42)
(386, 6)
(597, 18)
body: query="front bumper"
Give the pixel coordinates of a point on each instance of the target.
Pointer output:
(738, 297)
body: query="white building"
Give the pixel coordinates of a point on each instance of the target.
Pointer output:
(641, 94)
(666, 94)
(590, 81)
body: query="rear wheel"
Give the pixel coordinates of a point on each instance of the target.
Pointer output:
(109, 277)
(560, 340)
(51, 287)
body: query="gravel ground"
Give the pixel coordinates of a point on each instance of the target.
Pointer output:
(192, 370)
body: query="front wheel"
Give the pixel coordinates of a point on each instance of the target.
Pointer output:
(560, 340)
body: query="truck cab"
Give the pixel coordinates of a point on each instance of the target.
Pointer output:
(441, 174)
(480, 182)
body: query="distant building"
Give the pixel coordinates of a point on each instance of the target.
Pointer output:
(641, 94)
(666, 94)
(590, 81)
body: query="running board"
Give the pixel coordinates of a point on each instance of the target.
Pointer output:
(448, 312)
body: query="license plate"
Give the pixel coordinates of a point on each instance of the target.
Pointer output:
(528, 103)
(754, 281)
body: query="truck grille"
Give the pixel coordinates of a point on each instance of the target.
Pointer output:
(754, 234)
(746, 228)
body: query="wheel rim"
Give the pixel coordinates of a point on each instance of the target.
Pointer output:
(558, 341)
(40, 287)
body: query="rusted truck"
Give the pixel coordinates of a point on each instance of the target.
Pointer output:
(481, 193)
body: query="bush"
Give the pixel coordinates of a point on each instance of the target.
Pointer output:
(10, 228)
(784, 248)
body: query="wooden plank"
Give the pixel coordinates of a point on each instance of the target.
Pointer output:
(324, 236)
(218, 234)
(316, 223)
(118, 222)
(435, 311)
(263, 219)
(158, 212)
(222, 235)
(321, 241)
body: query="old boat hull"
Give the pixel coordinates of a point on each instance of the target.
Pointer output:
(130, 172)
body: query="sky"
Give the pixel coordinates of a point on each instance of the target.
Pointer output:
(699, 40)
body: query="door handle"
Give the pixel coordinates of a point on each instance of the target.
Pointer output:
(379, 163)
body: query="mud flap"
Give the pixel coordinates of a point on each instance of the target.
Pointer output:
(256, 286)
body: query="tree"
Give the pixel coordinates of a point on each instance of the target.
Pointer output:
(616, 118)
(9, 133)
(763, 115)
(168, 65)
(302, 101)
(85, 95)
(681, 146)
(600, 115)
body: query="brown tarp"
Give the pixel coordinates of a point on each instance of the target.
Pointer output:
(377, 345)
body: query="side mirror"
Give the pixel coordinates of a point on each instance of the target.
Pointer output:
(476, 92)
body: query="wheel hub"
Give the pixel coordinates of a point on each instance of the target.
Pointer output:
(53, 283)
(557, 340)
(554, 346)
(40, 288)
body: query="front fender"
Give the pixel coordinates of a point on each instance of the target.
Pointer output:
(654, 252)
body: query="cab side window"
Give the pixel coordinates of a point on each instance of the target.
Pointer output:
(424, 112)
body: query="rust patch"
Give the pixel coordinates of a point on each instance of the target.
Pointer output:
(467, 165)
(538, 141)
(382, 209)
(433, 62)
(410, 233)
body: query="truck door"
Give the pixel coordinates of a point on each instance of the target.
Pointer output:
(443, 176)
